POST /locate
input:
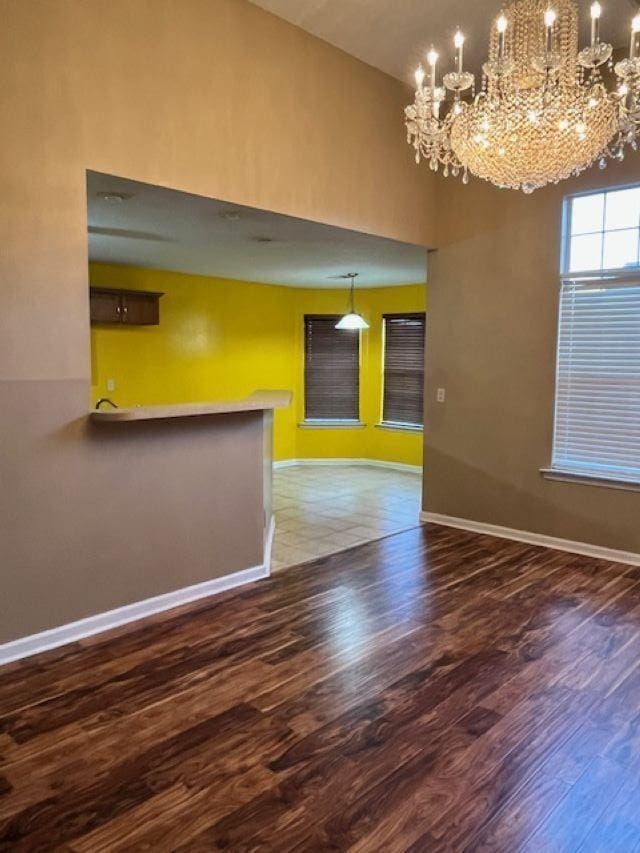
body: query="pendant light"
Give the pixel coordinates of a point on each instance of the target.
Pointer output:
(352, 320)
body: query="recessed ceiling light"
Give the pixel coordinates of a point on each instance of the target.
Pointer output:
(231, 215)
(115, 197)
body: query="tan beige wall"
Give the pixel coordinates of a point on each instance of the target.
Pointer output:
(215, 97)
(493, 299)
(209, 96)
(120, 512)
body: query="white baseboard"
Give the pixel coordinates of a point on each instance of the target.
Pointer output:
(51, 639)
(373, 463)
(268, 543)
(569, 545)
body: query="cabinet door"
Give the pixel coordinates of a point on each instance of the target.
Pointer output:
(105, 307)
(141, 309)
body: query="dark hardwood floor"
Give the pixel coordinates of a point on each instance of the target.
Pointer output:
(434, 691)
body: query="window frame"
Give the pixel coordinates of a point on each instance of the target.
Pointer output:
(609, 277)
(565, 248)
(384, 423)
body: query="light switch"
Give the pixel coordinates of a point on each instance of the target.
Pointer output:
(440, 395)
(111, 384)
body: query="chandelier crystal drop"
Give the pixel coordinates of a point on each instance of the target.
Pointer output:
(544, 111)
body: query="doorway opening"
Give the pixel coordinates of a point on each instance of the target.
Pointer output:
(195, 299)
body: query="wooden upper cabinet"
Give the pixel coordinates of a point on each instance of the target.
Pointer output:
(105, 306)
(128, 307)
(141, 309)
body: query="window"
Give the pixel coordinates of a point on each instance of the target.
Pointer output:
(331, 370)
(597, 417)
(602, 231)
(403, 381)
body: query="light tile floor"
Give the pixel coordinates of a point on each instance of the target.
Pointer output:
(323, 509)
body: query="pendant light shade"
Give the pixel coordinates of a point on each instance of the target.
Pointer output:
(352, 320)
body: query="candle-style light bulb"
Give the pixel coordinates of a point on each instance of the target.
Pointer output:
(432, 59)
(549, 21)
(419, 75)
(596, 11)
(501, 26)
(635, 29)
(458, 41)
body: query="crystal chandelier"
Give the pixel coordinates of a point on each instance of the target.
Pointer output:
(544, 111)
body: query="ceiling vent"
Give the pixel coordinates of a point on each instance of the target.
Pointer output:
(113, 197)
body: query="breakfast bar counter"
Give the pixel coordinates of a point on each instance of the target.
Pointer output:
(259, 400)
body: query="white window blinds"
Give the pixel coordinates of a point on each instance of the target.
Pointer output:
(597, 419)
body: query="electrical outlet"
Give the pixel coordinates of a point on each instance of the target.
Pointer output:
(111, 384)
(440, 395)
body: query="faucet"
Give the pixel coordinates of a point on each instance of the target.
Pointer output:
(105, 400)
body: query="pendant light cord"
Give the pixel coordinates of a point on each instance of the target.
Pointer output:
(352, 304)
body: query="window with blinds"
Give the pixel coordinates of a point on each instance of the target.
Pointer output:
(403, 380)
(597, 417)
(331, 370)
(597, 422)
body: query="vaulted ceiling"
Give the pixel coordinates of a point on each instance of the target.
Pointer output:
(395, 36)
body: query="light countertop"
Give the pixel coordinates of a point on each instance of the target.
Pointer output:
(254, 402)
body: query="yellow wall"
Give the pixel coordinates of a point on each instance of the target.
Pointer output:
(219, 338)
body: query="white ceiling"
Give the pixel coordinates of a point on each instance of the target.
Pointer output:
(394, 37)
(165, 229)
